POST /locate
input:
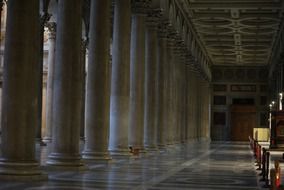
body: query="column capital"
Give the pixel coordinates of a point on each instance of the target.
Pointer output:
(84, 43)
(140, 6)
(44, 18)
(153, 17)
(51, 26)
(2, 2)
(171, 36)
(163, 29)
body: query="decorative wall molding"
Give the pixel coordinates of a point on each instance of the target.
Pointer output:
(239, 74)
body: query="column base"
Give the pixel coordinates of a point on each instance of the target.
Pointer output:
(66, 162)
(47, 139)
(151, 148)
(21, 171)
(120, 152)
(143, 150)
(92, 155)
(41, 143)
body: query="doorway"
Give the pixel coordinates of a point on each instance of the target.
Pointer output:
(243, 120)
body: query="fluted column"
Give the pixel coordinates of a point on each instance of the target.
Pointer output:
(67, 87)
(50, 80)
(137, 68)
(98, 83)
(120, 83)
(162, 74)
(151, 81)
(20, 88)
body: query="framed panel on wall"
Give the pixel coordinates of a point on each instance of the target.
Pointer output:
(219, 88)
(263, 88)
(263, 100)
(219, 100)
(219, 118)
(243, 88)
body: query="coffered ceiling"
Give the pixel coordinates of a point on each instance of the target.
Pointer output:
(236, 32)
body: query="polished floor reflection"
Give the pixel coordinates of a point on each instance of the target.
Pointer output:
(222, 166)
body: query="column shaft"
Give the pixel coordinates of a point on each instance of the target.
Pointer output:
(170, 94)
(43, 19)
(20, 87)
(98, 83)
(183, 130)
(50, 80)
(120, 84)
(162, 94)
(67, 87)
(198, 109)
(83, 90)
(137, 68)
(178, 98)
(151, 101)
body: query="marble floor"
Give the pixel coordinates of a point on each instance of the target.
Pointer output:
(204, 166)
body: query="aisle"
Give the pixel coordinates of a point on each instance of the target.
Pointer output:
(193, 166)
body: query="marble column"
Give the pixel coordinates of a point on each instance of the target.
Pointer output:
(151, 81)
(209, 107)
(188, 102)
(174, 82)
(1, 9)
(206, 110)
(43, 19)
(20, 88)
(196, 100)
(120, 83)
(162, 74)
(50, 79)
(183, 108)
(178, 96)
(137, 68)
(170, 92)
(2, 2)
(84, 44)
(193, 89)
(198, 106)
(67, 87)
(98, 83)
(186, 105)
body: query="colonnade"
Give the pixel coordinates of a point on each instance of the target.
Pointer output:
(147, 98)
